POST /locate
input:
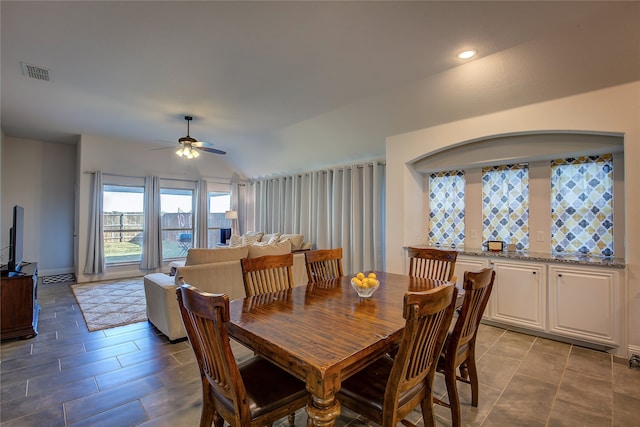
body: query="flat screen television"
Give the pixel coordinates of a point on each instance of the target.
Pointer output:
(16, 239)
(225, 234)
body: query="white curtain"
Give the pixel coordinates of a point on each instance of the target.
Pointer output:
(95, 250)
(341, 207)
(235, 205)
(152, 241)
(202, 214)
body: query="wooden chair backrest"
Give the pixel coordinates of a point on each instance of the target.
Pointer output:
(431, 263)
(205, 317)
(428, 316)
(323, 264)
(267, 273)
(477, 290)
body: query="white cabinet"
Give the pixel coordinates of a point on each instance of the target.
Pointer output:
(468, 264)
(577, 302)
(519, 294)
(585, 303)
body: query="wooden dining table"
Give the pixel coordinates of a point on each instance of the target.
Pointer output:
(324, 332)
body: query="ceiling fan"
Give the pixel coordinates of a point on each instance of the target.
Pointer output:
(189, 146)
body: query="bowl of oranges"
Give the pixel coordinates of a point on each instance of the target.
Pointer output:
(365, 286)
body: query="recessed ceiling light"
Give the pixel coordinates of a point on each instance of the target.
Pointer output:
(467, 54)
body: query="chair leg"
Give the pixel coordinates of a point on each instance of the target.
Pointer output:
(218, 421)
(209, 414)
(452, 391)
(428, 414)
(464, 370)
(292, 419)
(473, 378)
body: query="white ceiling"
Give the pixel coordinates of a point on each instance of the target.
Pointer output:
(285, 86)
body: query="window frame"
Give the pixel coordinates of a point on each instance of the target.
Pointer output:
(175, 188)
(605, 244)
(520, 237)
(434, 232)
(213, 231)
(122, 185)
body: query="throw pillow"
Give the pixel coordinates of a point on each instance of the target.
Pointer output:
(251, 239)
(235, 240)
(296, 240)
(275, 238)
(279, 248)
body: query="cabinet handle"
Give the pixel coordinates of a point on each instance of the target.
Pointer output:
(533, 272)
(559, 275)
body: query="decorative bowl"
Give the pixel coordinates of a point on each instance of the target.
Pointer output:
(366, 291)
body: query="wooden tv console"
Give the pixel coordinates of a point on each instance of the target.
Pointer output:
(19, 310)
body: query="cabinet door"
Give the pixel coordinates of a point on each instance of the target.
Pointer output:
(468, 264)
(583, 304)
(519, 294)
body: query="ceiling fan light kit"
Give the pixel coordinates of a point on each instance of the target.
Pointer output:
(187, 152)
(189, 146)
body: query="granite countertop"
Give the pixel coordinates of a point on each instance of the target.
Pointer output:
(563, 258)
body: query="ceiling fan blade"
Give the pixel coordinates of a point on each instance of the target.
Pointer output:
(211, 150)
(164, 148)
(202, 144)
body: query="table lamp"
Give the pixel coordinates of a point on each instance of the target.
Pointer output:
(231, 215)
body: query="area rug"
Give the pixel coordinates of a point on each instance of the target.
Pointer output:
(113, 303)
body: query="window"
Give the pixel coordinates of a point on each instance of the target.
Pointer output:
(122, 209)
(219, 203)
(176, 219)
(582, 205)
(505, 204)
(446, 208)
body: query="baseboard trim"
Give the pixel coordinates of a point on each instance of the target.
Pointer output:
(54, 271)
(617, 352)
(633, 349)
(58, 278)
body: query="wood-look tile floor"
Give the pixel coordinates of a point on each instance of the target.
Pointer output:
(132, 376)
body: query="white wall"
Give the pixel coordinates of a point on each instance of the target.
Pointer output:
(40, 177)
(536, 150)
(126, 158)
(48, 180)
(615, 110)
(3, 234)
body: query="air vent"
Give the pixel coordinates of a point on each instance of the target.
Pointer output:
(35, 72)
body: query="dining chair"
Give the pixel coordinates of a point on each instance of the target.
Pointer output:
(323, 264)
(267, 273)
(431, 263)
(460, 347)
(252, 393)
(388, 389)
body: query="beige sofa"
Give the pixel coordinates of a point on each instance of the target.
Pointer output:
(212, 270)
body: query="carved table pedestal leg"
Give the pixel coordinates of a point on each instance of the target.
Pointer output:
(322, 412)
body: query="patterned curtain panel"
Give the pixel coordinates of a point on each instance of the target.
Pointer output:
(446, 208)
(582, 205)
(505, 204)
